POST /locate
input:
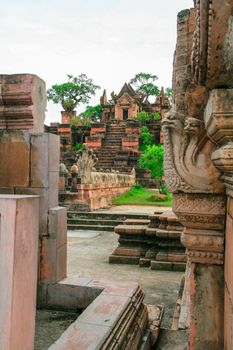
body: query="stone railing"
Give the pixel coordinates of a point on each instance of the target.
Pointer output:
(103, 187)
(95, 189)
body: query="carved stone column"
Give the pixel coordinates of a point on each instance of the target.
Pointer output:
(203, 216)
(198, 141)
(219, 125)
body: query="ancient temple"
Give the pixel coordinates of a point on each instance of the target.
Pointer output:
(126, 105)
(116, 138)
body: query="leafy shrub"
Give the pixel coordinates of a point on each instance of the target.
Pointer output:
(143, 117)
(156, 116)
(163, 189)
(145, 138)
(152, 159)
(77, 147)
(137, 186)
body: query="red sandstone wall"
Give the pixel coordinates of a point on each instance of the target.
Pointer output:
(228, 273)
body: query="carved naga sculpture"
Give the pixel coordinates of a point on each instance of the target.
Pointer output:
(86, 160)
(187, 165)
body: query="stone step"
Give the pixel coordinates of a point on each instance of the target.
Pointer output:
(105, 215)
(90, 227)
(137, 222)
(131, 229)
(111, 147)
(99, 222)
(104, 165)
(116, 138)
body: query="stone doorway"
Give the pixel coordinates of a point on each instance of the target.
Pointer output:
(125, 114)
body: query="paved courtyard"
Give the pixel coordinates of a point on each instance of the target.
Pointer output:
(88, 253)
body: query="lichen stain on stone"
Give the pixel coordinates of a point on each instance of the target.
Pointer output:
(228, 46)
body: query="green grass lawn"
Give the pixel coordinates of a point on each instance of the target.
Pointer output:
(140, 195)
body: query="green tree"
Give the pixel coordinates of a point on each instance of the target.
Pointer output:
(152, 159)
(81, 120)
(143, 117)
(156, 116)
(78, 90)
(144, 84)
(93, 112)
(145, 138)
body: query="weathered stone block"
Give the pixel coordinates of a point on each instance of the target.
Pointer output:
(70, 297)
(88, 336)
(228, 321)
(179, 266)
(120, 259)
(39, 160)
(158, 265)
(14, 158)
(23, 102)
(61, 262)
(44, 195)
(54, 152)
(48, 260)
(53, 188)
(112, 308)
(228, 266)
(132, 230)
(58, 225)
(130, 251)
(230, 206)
(18, 270)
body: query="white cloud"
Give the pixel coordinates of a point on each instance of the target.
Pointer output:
(109, 40)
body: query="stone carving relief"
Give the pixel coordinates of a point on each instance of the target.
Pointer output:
(203, 216)
(86, 161)
(187, 165)
(125, 100)
(63, 170)
(212, 43)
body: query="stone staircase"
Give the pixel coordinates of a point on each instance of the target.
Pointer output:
(111, 146)
(98, 221)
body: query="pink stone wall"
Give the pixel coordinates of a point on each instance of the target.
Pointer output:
(100, 196)
(130, 143)
(93, 144)
(66, 117)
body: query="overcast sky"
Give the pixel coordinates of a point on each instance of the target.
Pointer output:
(109, 40)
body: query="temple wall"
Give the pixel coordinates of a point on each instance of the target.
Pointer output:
(29, 164)
(228, 274)
(34, 229)
(99, 190)
(101, 195)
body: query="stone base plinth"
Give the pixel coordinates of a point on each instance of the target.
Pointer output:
(154, 243)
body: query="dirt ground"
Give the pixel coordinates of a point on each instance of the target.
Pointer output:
(50, 325)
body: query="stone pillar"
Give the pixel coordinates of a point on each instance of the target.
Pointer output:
(203, 216)
(19, 232)
(198, 136)
(219, 125)
(67, 116)
(29, 165)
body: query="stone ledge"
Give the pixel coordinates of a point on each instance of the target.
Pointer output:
(115, 316)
